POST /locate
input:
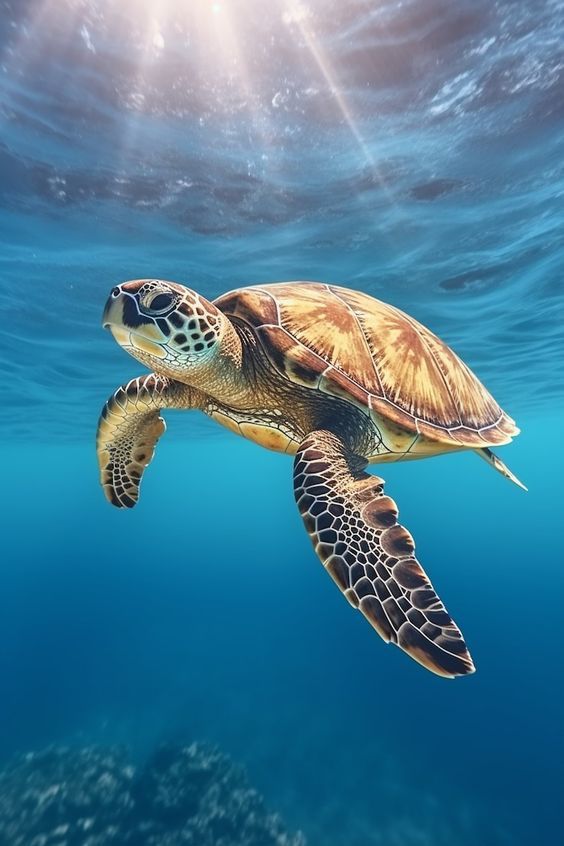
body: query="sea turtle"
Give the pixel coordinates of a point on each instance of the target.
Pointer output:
(333, 377)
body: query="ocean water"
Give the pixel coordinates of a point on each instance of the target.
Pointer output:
(413, 150)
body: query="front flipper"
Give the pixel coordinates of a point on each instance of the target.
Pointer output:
(354, 529)
(128, 430)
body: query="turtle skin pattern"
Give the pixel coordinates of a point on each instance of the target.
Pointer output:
(128, 430)
(353, 527)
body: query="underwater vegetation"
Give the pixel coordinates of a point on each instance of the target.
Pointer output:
(93, 796)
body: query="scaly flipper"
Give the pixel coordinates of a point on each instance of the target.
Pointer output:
(354, 529)
(128, 430)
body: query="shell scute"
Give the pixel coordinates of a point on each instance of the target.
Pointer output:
(337, 383)
(328, 328)
(352, 346)
(251, 305)
(291, 357)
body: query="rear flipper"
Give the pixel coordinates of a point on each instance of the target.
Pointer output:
(498, 465)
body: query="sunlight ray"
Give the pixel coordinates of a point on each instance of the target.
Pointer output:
(297, 14)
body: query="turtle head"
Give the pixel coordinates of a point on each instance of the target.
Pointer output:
(170, 328)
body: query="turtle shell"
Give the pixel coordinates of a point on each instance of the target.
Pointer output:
(355, 347)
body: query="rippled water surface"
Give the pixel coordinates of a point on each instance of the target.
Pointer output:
(413, 150)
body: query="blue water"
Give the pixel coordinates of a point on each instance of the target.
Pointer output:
(414, 150)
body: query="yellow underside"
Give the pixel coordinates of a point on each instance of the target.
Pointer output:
(397, 445)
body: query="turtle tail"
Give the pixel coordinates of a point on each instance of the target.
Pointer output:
(499, 465)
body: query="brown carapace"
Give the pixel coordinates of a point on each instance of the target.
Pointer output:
(349, 344)
(339, 380)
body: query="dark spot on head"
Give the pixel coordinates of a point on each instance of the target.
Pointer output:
(176, 320)
(199, 347)
(203, 325)
(210, 344)
(131, 317)
(200, 312)
(192, 325)
(164, 327)
(195, 336)
(180, 338)
(209, 336)
(186, 348)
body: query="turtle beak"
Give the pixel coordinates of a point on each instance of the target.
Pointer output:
(113, 310)
(112, 318)
(129, 327)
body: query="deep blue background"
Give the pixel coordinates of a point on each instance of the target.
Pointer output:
(411, 150)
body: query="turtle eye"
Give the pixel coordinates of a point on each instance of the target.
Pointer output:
(158, 302)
